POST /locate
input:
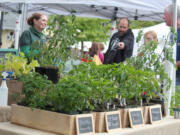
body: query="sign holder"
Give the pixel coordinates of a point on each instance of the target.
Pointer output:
(136, 117)
(85, 124)
(113, 121)
(155, 114)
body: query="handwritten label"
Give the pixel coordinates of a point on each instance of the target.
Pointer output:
(156, 114)
(85, 125)
(113, 121)
(136, 117)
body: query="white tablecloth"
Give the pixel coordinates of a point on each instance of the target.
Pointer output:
(167, 126)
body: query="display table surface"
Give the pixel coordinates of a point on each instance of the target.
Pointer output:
(5, 114)
(6, 128)
(168, 126)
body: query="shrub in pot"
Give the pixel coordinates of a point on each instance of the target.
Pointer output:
(68, 96)
(151, 58)
(71, 94)
(18, 66)
(56, 51)
(103, 89)
(35, 90)
(175, 103)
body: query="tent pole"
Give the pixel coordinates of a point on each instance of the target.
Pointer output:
(173, 76)
(113, 27)
(24, 16)
(20, 23)
(113, 19)
(1, 27)
(17, 30)
(18, 26)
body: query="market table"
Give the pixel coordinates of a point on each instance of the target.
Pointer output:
(6, 128)
(168, 126)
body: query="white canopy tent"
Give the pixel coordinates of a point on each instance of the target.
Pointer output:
(133, 9)
(151, 10)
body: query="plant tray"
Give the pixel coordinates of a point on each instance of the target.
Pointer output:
(43, 120)
(14, 87)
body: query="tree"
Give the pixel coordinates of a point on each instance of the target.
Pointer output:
(92, 29)
(135, 24)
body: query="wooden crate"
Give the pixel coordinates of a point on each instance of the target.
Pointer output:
(146, 115)
(124, 118)
(14, 87)
(5, 114)
(100, 123)
(44, 120)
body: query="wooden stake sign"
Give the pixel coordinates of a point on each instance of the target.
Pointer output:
(136, 117)
(113, 121)
(155, 114)
(84, 124)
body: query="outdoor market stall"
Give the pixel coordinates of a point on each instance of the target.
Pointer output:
(66, 108)
(138, 10)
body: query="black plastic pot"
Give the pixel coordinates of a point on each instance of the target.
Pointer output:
(50, 72)
(161, 102)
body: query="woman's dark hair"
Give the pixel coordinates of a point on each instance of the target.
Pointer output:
(36, 16)
(94, 49)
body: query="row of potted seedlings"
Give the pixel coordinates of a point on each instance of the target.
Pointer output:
(87, 89)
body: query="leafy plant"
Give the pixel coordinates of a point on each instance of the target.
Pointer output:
(56, 51)
(68, 96)
(35, 90)
(71, 96)
(109, 80)
(87, 87)
(17, 64)
(134, 82)
(102, 87)
(148, 59)
(175, 99)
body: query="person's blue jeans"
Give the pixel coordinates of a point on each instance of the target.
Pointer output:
(178, 82)
(177, 79)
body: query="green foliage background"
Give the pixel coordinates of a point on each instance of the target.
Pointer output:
(135, 24)
(94, 29)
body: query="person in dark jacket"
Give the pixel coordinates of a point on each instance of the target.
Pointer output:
(37, 23)
(121, 44)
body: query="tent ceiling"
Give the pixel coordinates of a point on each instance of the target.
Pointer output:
(133, 9)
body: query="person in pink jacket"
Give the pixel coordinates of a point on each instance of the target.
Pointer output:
(101, 55)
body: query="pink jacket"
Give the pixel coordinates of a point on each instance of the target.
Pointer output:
(101, 56)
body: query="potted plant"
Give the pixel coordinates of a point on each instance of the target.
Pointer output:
(18, 66)
(148, 59)
(56, 51)
(103, 90)
(59, 104)
(175, 103)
